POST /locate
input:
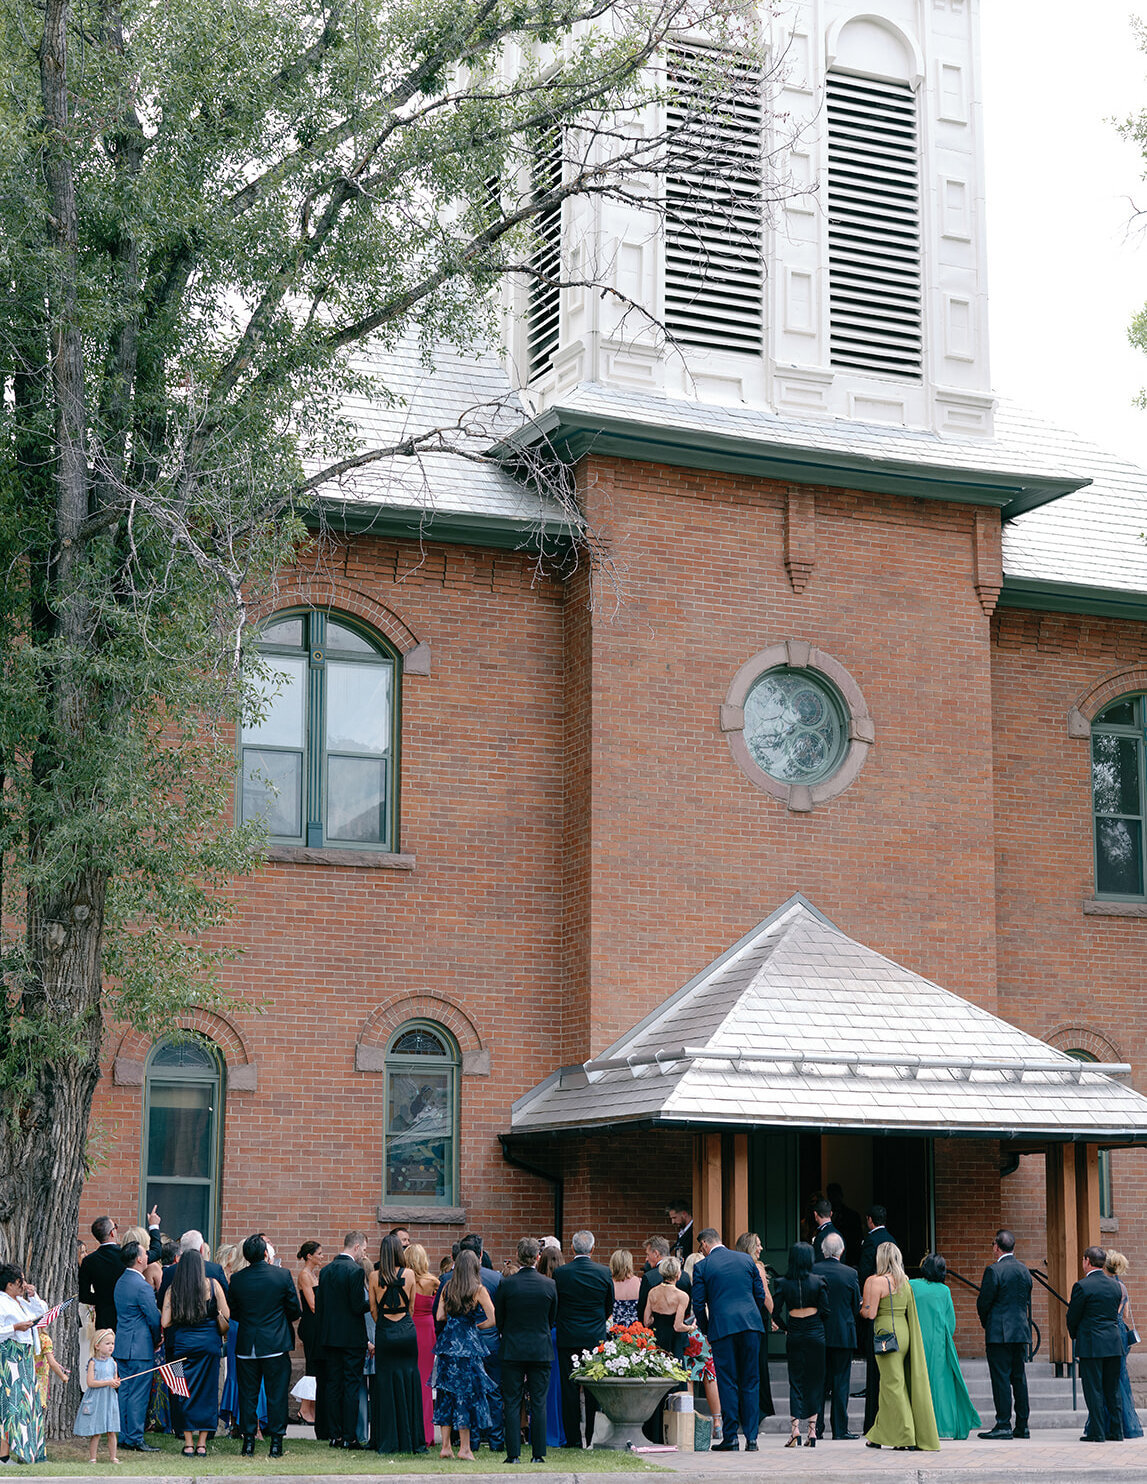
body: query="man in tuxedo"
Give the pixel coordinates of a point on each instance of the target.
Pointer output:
(136, 1335)
(680, 1215)
(1093, 1323)
(1004, 1306)
(822, 1217)
(526, 1308)
(657, 1248)
(877, 1234)
(585, 1307)
(102, 1269)
(839, 1333)
(340, 1303)
(265, 1306)
(729, 1302)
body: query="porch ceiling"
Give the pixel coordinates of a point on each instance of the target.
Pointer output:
(797, 1026)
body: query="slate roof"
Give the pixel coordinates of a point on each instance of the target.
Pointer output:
(799, 1026)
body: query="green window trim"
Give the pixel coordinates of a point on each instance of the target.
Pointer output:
(421, 1112)
(320, 764)
(181, 1159)
(1106, 1191)
(1119, 792)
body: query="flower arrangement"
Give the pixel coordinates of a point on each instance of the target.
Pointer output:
(629, 1352)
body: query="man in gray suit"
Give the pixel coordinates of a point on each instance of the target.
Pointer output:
(136, 1336)
(839, 1333)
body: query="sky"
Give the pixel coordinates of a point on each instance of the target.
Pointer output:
(1067, 270)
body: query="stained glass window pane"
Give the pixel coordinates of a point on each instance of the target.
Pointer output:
(419, 1042)
(1115, 773)
(794, 727)
(184, 1054)
(419, 1154)
(1119, 857)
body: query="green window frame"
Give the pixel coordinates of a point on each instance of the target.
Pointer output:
(1106, 1192)
(421, 1116)
(182, 1156)
(1119, 789)
(320, 762)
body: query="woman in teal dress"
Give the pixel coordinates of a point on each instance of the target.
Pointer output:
(955, 1415)
(905, 1418)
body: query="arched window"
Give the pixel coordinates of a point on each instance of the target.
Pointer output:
(1106, 1194)
(183, 1136)
(320, 766)
(1117, 780)
(420, 1140)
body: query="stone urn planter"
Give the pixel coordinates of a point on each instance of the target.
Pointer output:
(628, 1402)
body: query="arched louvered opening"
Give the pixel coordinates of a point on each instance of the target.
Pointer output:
(714, 272)
(876, 296)
(543, 301)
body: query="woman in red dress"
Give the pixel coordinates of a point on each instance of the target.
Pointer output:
(425, 1287)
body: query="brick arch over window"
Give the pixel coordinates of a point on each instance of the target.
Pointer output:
(381, 1024)
(242, 1074)
(1102, 693)
(333, 596)
(1085, 1038)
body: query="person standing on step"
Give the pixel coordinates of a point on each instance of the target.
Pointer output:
(1093, 1323)
(839, 1334)
(1004, 1306)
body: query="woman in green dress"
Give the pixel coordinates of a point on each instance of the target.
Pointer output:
(955, 1414)
(905, 1418)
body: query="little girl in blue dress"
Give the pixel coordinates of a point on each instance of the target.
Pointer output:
(99, 1409)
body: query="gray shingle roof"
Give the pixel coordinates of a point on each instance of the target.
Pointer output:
(799, 1026)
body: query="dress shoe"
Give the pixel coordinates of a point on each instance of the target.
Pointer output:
(276, 1448)
(142, 1448)
(845, 1437)
(511, 1460)
(751, 1448)
(335, 1443)
(727, 1445)
(997, 1432)
(536, 1459)
(1020, 1432)
(1087, 1438)
(248, 1450)
(354, 1446)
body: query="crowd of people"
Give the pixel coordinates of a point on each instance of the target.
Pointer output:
(397, 1357)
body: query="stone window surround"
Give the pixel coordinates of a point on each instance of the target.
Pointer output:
(798, 654)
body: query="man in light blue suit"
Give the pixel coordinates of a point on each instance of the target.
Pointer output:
(136, 1336)
(729, 1302)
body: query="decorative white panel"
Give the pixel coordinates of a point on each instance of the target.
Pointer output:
(959, 328)
(952, 93)
(800, 307)
(955, 208)
(871, 409)
(797, 63)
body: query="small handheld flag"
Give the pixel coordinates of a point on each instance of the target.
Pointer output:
(172, 1372)
(52, 1314)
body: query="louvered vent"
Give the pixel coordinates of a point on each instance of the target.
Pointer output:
(876, 300)
(714, 272)
(543, 306)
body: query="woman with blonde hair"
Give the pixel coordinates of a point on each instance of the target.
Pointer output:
(425, 1287)
(154, 1270)
(749, 1242)
(905, 1418)
(1118, 1267)
(626, 1287)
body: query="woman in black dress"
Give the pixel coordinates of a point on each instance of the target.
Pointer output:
(310, 1254)
(803, 1294)
(396, 1387)
(195, 1314)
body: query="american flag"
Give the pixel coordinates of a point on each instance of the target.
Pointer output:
(172, 1373)
(52, 1313)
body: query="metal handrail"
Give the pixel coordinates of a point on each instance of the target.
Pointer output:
(1046, 1286)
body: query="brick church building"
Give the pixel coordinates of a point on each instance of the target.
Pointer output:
(802, 842)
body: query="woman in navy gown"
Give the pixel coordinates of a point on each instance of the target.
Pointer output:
(195, 1314)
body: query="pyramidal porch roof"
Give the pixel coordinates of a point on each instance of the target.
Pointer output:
(798, 1026)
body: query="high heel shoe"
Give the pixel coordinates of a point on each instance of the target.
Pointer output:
(811, 1439)
(794, 1439)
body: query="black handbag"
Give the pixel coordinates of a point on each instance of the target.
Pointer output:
(884, 1341)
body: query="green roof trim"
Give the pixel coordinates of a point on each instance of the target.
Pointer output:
(449, 527)
(573, 433)
(1046, 596)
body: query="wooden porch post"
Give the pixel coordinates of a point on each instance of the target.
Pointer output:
(735, 1206)
(707, 1181)
(1064, 1251)
(1086, 1200)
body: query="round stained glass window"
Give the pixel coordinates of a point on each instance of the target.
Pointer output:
(795, 727)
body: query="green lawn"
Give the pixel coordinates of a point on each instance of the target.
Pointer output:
(305, 1456)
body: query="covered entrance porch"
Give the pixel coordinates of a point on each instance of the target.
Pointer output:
(801, 1058)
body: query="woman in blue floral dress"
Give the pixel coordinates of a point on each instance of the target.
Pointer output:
(461, 1386)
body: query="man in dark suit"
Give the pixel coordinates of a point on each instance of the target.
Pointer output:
(680, 1214)
(1093, 1323)
(1004, 1306)
(265, 1306)
(839, 1333)
(136, 1335)
(877, 1233)
(822, 1217)
(340, 1304)
(847, 1222)
(102, 1269)
(585, 1306)
(526, 1308)
(657, 1248)
(729, 1302)
(192, 1241)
